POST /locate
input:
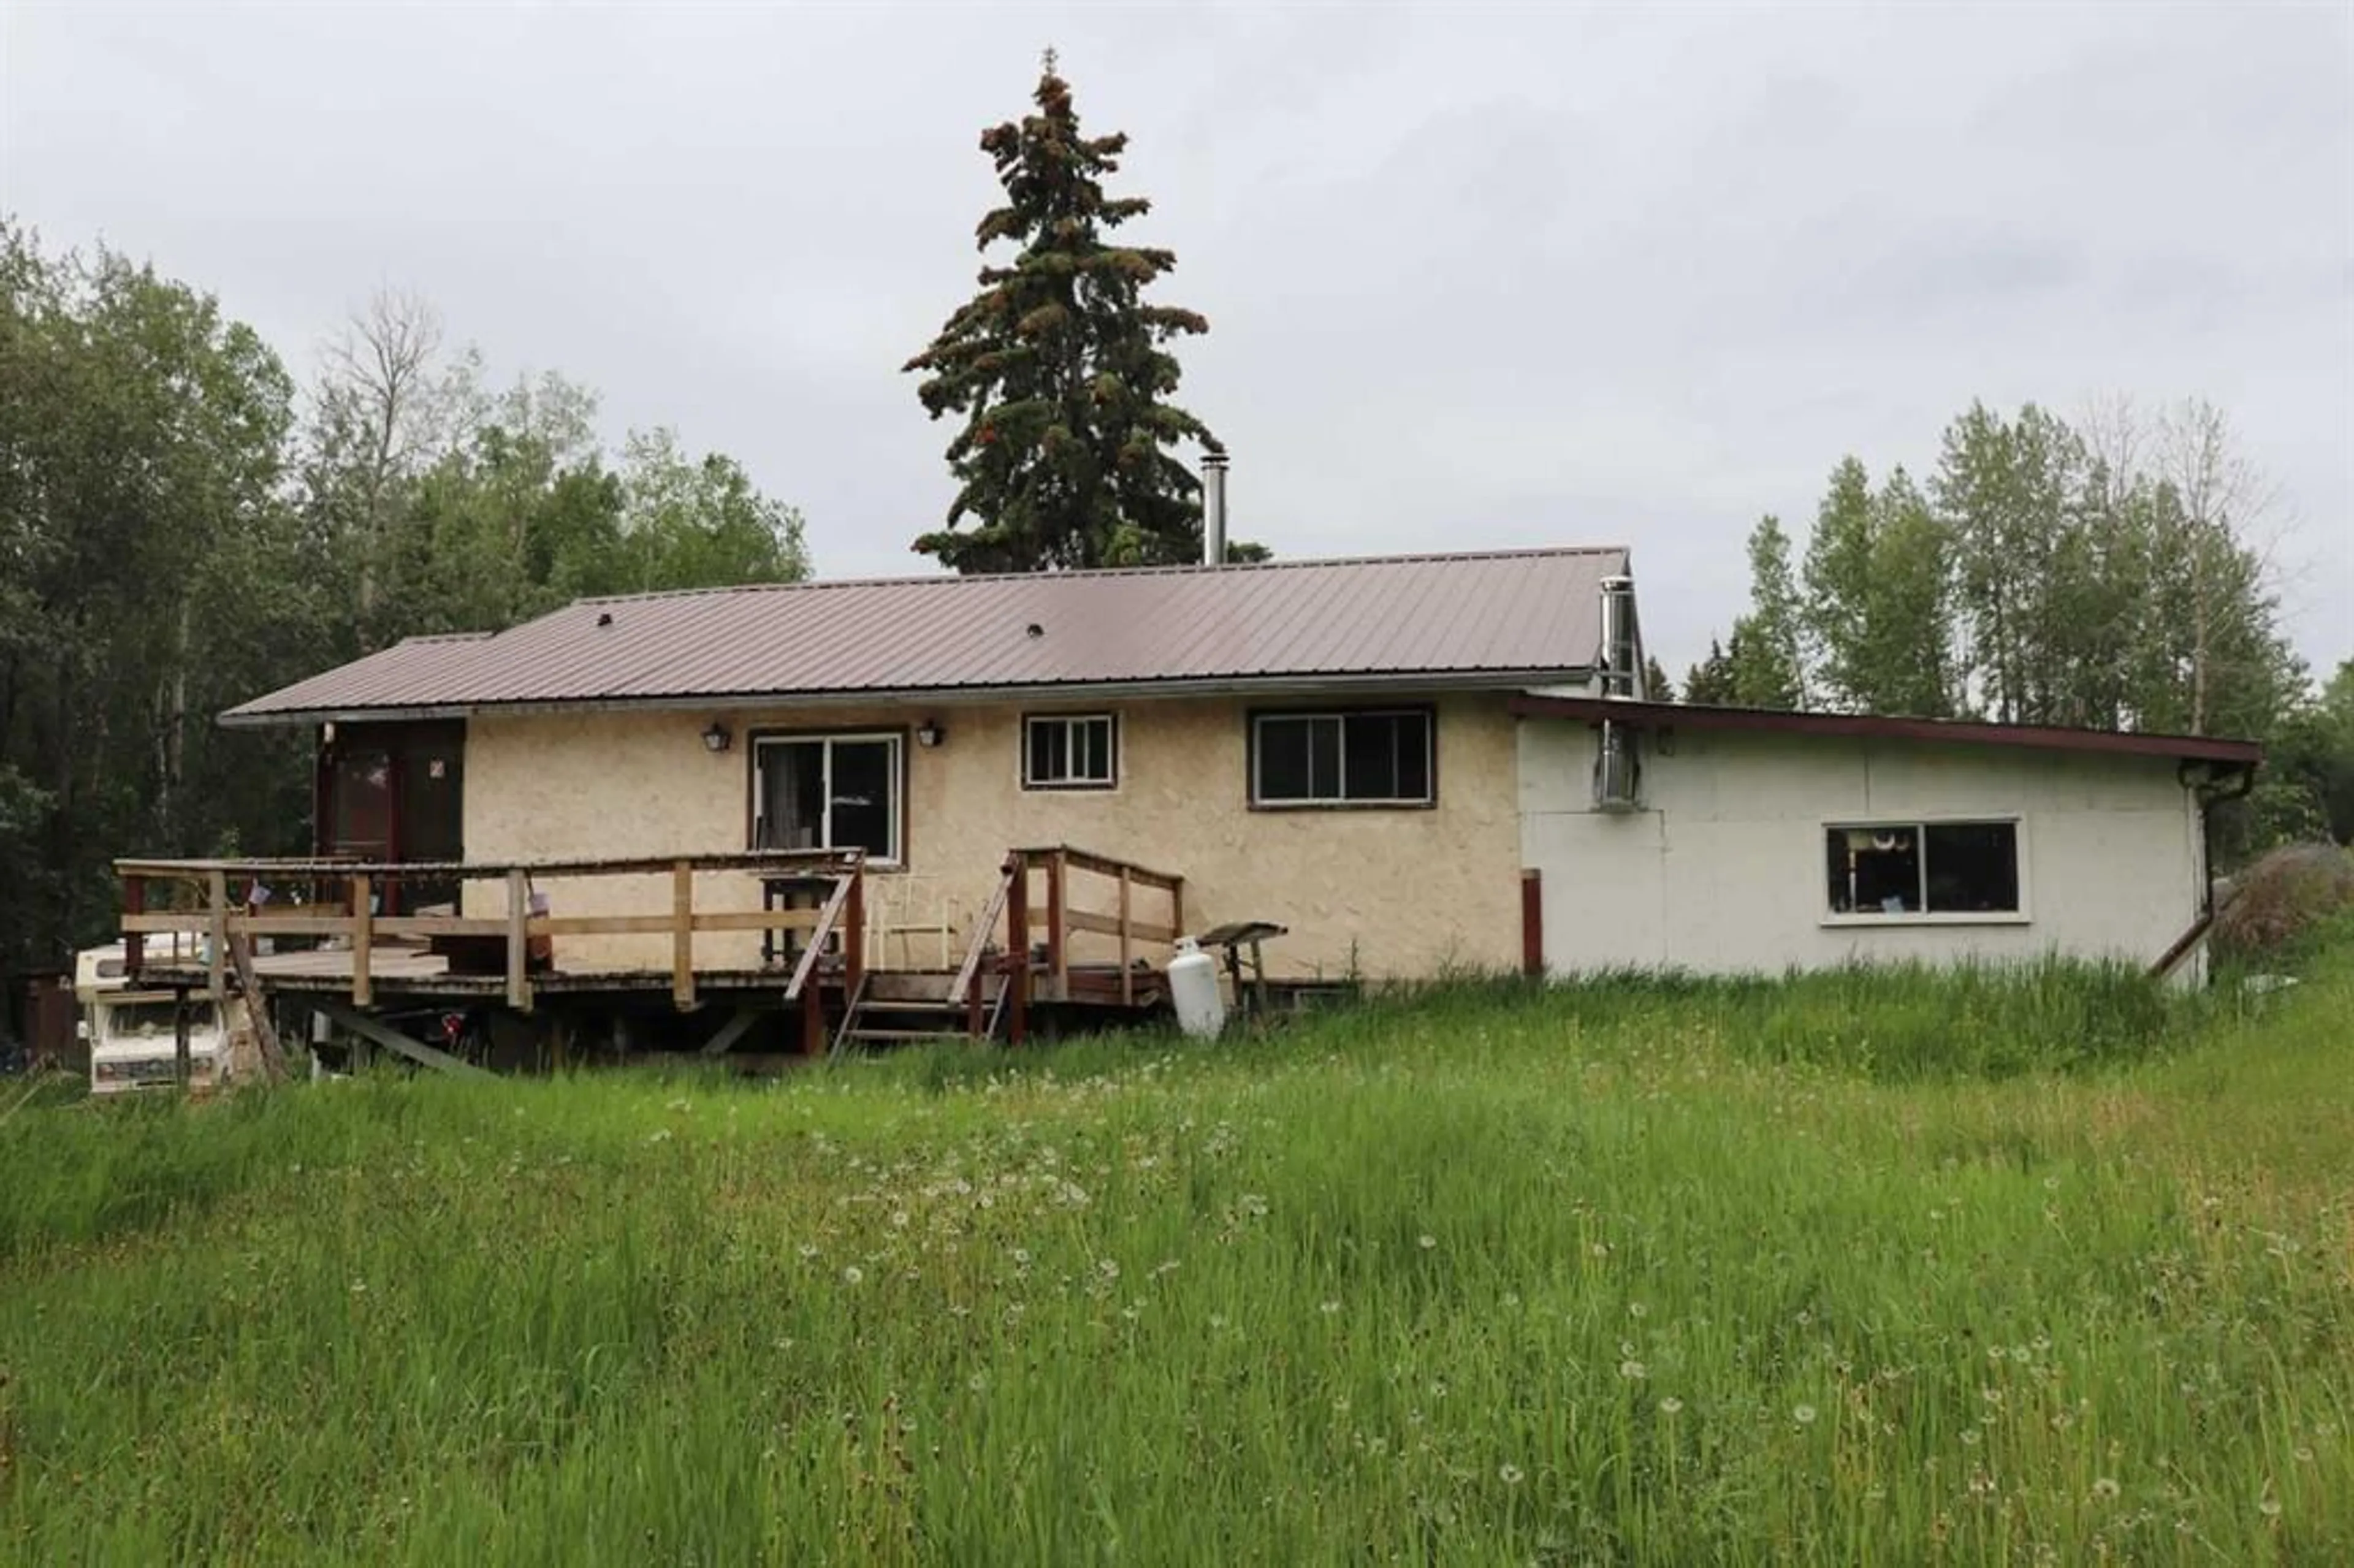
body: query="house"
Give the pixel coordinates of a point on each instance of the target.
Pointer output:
(1414, 764)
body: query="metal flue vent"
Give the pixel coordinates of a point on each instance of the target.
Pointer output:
(1618, 769)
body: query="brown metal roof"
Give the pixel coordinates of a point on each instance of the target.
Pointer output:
(2043, 738)
(1513, 615)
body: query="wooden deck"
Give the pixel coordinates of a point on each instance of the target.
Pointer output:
(199, 927)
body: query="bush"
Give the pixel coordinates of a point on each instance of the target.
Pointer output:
(2279, 901)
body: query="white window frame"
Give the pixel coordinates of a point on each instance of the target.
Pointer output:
(1261, 800)
(1919, 823)
(1072, 722)
(895, 739)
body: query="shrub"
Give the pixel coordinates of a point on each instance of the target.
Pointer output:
(2279, 901)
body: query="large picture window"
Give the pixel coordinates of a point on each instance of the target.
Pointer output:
(827, 792)
(1069, 751)
(1368, 758)
(1924, 868)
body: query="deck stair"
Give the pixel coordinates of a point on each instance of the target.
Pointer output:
(897, 1007)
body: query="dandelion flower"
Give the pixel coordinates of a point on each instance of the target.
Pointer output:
(1022, 1257)
(1670, 1405)
(2269, 1506)
(2106, 1486)
(1428, 1241)
(1633, 1370)
(1329, 1308)
(1804, 1414)
(852, 1275)
(1970, 1437)
(807, 1251)
(1636, 1310)
(1511, 1475)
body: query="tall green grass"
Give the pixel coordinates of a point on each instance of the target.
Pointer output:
(1850, 1268)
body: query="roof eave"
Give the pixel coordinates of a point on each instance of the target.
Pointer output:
(1950, 732)
(249, 717)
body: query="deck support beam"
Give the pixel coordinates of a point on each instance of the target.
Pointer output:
(377, 1032)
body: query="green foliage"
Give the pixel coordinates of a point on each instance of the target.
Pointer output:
(1766, 651)
(1877, 598)
(1656, 685)
(171, 542)
(1710, 681)
(1639, 1271)
(1062, 372)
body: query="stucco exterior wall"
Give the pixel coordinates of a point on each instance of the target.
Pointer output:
(1723, 870)
(1386, 892)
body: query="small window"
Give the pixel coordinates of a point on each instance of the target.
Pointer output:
(1342, 759)
(1924, 868)
(828, 792)
(1076, 751)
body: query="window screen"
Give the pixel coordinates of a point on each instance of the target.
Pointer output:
(1355, 759)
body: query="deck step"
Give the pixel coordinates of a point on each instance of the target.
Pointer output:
(893, 1035)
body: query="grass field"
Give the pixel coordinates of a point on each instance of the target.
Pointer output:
(1859, 1269)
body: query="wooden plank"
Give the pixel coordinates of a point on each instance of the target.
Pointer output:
(1017, 955)
(216, 937)
(363, 940)
(825, 923)
(134, 903)
(818, 865)
(1126, 938)
(519, 940)
(735, 1029)
(1176, 908)
(1059, 916)
(1532, 960)
(1109, 926)
(183, 1054)
(377, 1032)
(681, 939)
(854, 935)
(2181, 947)
(813, 1021)
(256, 1009)
(1103, 865)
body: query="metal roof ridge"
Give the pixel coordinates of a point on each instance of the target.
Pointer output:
(1190, 569)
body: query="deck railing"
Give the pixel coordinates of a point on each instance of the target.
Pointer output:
(1065, 917)
(215, 901)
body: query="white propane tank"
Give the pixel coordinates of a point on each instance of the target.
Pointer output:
(1193, 986)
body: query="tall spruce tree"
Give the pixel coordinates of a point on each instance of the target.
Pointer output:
(1062, 372)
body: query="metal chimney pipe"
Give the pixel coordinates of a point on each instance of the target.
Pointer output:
(1214, 509)
(1618, 673)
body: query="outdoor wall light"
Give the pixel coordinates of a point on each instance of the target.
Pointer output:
(717, 739)
(930, 734)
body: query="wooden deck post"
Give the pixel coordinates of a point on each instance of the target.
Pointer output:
(183, 1057)
(814, 1017)
(519, 940)
(1177, 906)
(134, 943)
(682, 935)
(1127, 978)
(1058, 927)
(363, 940)
(216, 936)
(853, 935)
(1017, 953)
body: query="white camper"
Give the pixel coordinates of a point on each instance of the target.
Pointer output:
(132, 1034)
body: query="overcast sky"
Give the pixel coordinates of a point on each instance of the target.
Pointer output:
(1477, 277)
